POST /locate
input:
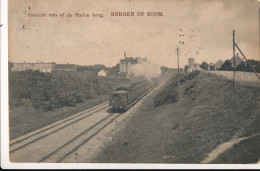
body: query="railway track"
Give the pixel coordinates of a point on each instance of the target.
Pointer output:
(68, 148)
(52, 128)
(19, 144)
(58, 141)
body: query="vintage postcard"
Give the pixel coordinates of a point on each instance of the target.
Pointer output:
(132, 84)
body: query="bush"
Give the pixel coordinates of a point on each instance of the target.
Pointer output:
(227, 66)
(204, 65)
(47, 91)
(170, 92)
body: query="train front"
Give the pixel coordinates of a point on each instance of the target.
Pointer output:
(117, 101)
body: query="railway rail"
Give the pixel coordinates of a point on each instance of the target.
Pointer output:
(57, 141)
(27, 139)
(68, 148)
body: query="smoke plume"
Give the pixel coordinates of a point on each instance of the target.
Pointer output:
(146, 70)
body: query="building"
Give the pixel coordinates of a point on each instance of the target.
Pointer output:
(219, 64)
(102, 73)
(127, 62)
(65, 67)
(191, 65)
(141, 60)
(42, 67)
(238, 60)
(197, 67)
(212, 66)
(191, 62)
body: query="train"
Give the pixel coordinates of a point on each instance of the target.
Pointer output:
(123, 97)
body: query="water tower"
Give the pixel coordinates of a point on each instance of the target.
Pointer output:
(191, 62)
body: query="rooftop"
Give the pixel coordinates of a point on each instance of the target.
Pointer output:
(65, 66)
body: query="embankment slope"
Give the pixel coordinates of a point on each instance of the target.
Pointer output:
(165, 130)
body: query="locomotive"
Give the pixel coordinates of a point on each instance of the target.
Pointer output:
(122, 98)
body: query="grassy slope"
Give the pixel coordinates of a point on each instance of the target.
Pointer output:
(25, 118)
(245, 152)
(187, 130)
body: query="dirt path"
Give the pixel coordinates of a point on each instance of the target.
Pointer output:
(224, 147)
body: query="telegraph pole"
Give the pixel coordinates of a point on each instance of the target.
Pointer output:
(178, 74)
(91, 90)
(234, 61)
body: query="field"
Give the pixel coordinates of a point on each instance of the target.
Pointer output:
(245, 78)
(25, 118)
(208, 116)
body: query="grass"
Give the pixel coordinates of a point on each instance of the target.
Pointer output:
(187, 130)
(247, 151)
(244, 78)
(26, 118)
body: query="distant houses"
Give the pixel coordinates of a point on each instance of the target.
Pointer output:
(212, 66)
(238, 60)
(42, 67)
(65, 67)
(216, 66)
(193, 66)
(53, 67)
(102, 73)
(219, 64)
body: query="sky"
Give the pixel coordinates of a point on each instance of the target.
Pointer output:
(205, 27)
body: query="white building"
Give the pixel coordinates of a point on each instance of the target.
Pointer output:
(128, 62)
(42, 67)
(102, 73)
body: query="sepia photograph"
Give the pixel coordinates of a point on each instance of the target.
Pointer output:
(129, 84)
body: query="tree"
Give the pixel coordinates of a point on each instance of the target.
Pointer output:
(98, 67)
(241, 66)
(204, 65)
(186, 67)
(255, 64)
(85, 68)
(114, 70)
(227, 65)
(10, 65)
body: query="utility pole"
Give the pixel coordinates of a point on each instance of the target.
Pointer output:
(91, 90)
(234, 61)
(178, 74)
(247, 61)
